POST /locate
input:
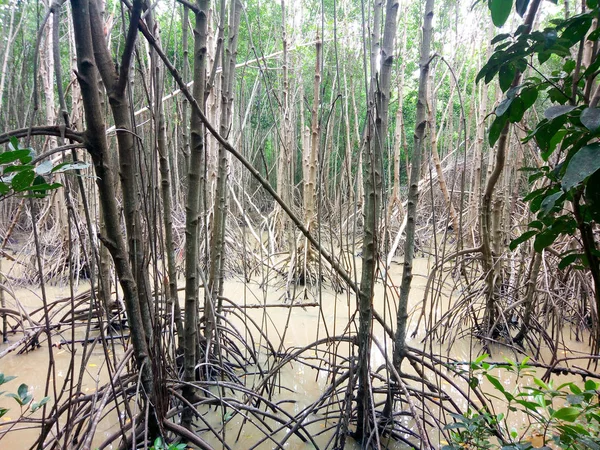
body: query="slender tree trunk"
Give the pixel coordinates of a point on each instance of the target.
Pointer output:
(98, 147)
(185, 71)
(380, 96)
(311, 154)
(6, 50)
(400, 134)
(215, 283)
(413, 194)
(286, 144)
(116, 86)
(490, 258)
(192, 233)
(165, 183)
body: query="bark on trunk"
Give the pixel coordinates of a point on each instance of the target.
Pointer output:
(413, 195)
(379, 103)
(98, 147)
(192, 208)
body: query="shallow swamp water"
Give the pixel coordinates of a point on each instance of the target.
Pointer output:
(284, 327)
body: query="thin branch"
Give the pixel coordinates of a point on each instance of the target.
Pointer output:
(48, 130)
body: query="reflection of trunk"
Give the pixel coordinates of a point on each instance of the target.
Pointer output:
(413, 195)
(379, 98)
(217, 251)
(192, 209)
(98, 148)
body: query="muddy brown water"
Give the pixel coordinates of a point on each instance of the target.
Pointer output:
(305, 325)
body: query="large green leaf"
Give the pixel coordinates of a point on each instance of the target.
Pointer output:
(529, 96)
(558, 110)
(506, 75)
(568, 414)
(23, 180)
(545, 239)
(590, 118)
(521, 7)
(500, 10)
(548, 203)
(592, 196)
(584, 163)
(9, 157)
(496, 129)
(515, 242)
(503, 106)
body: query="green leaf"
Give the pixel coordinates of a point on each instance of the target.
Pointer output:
(568, 260)
(495, 382)
(500, 10)
(473, 382)
(481, 358)
(583, 164)
(44, 168)
(529, 96)
(517, 110)
(14, 169)
(9, 157)
(574, 388)
(528, 404)
(506, 75)
(577, 30)
(558, 110)
(23, 180)
(22, 391)
(540, 383)
(592, 196)
(545, 239)
(590, 118)
(496, 129)
(548, 203)
(16, 397)
(499, 38)
(37, 405)
(503, 106)
(521, 7)
(524, 237)
(550, 38)
(13, 144)
(3, 411)
(538, 225)
(6, 379)
(68, 166)
(569, 66)
(568, 414)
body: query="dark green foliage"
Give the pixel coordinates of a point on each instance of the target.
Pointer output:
(569, 125)
(19, 176)
(567, 415)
